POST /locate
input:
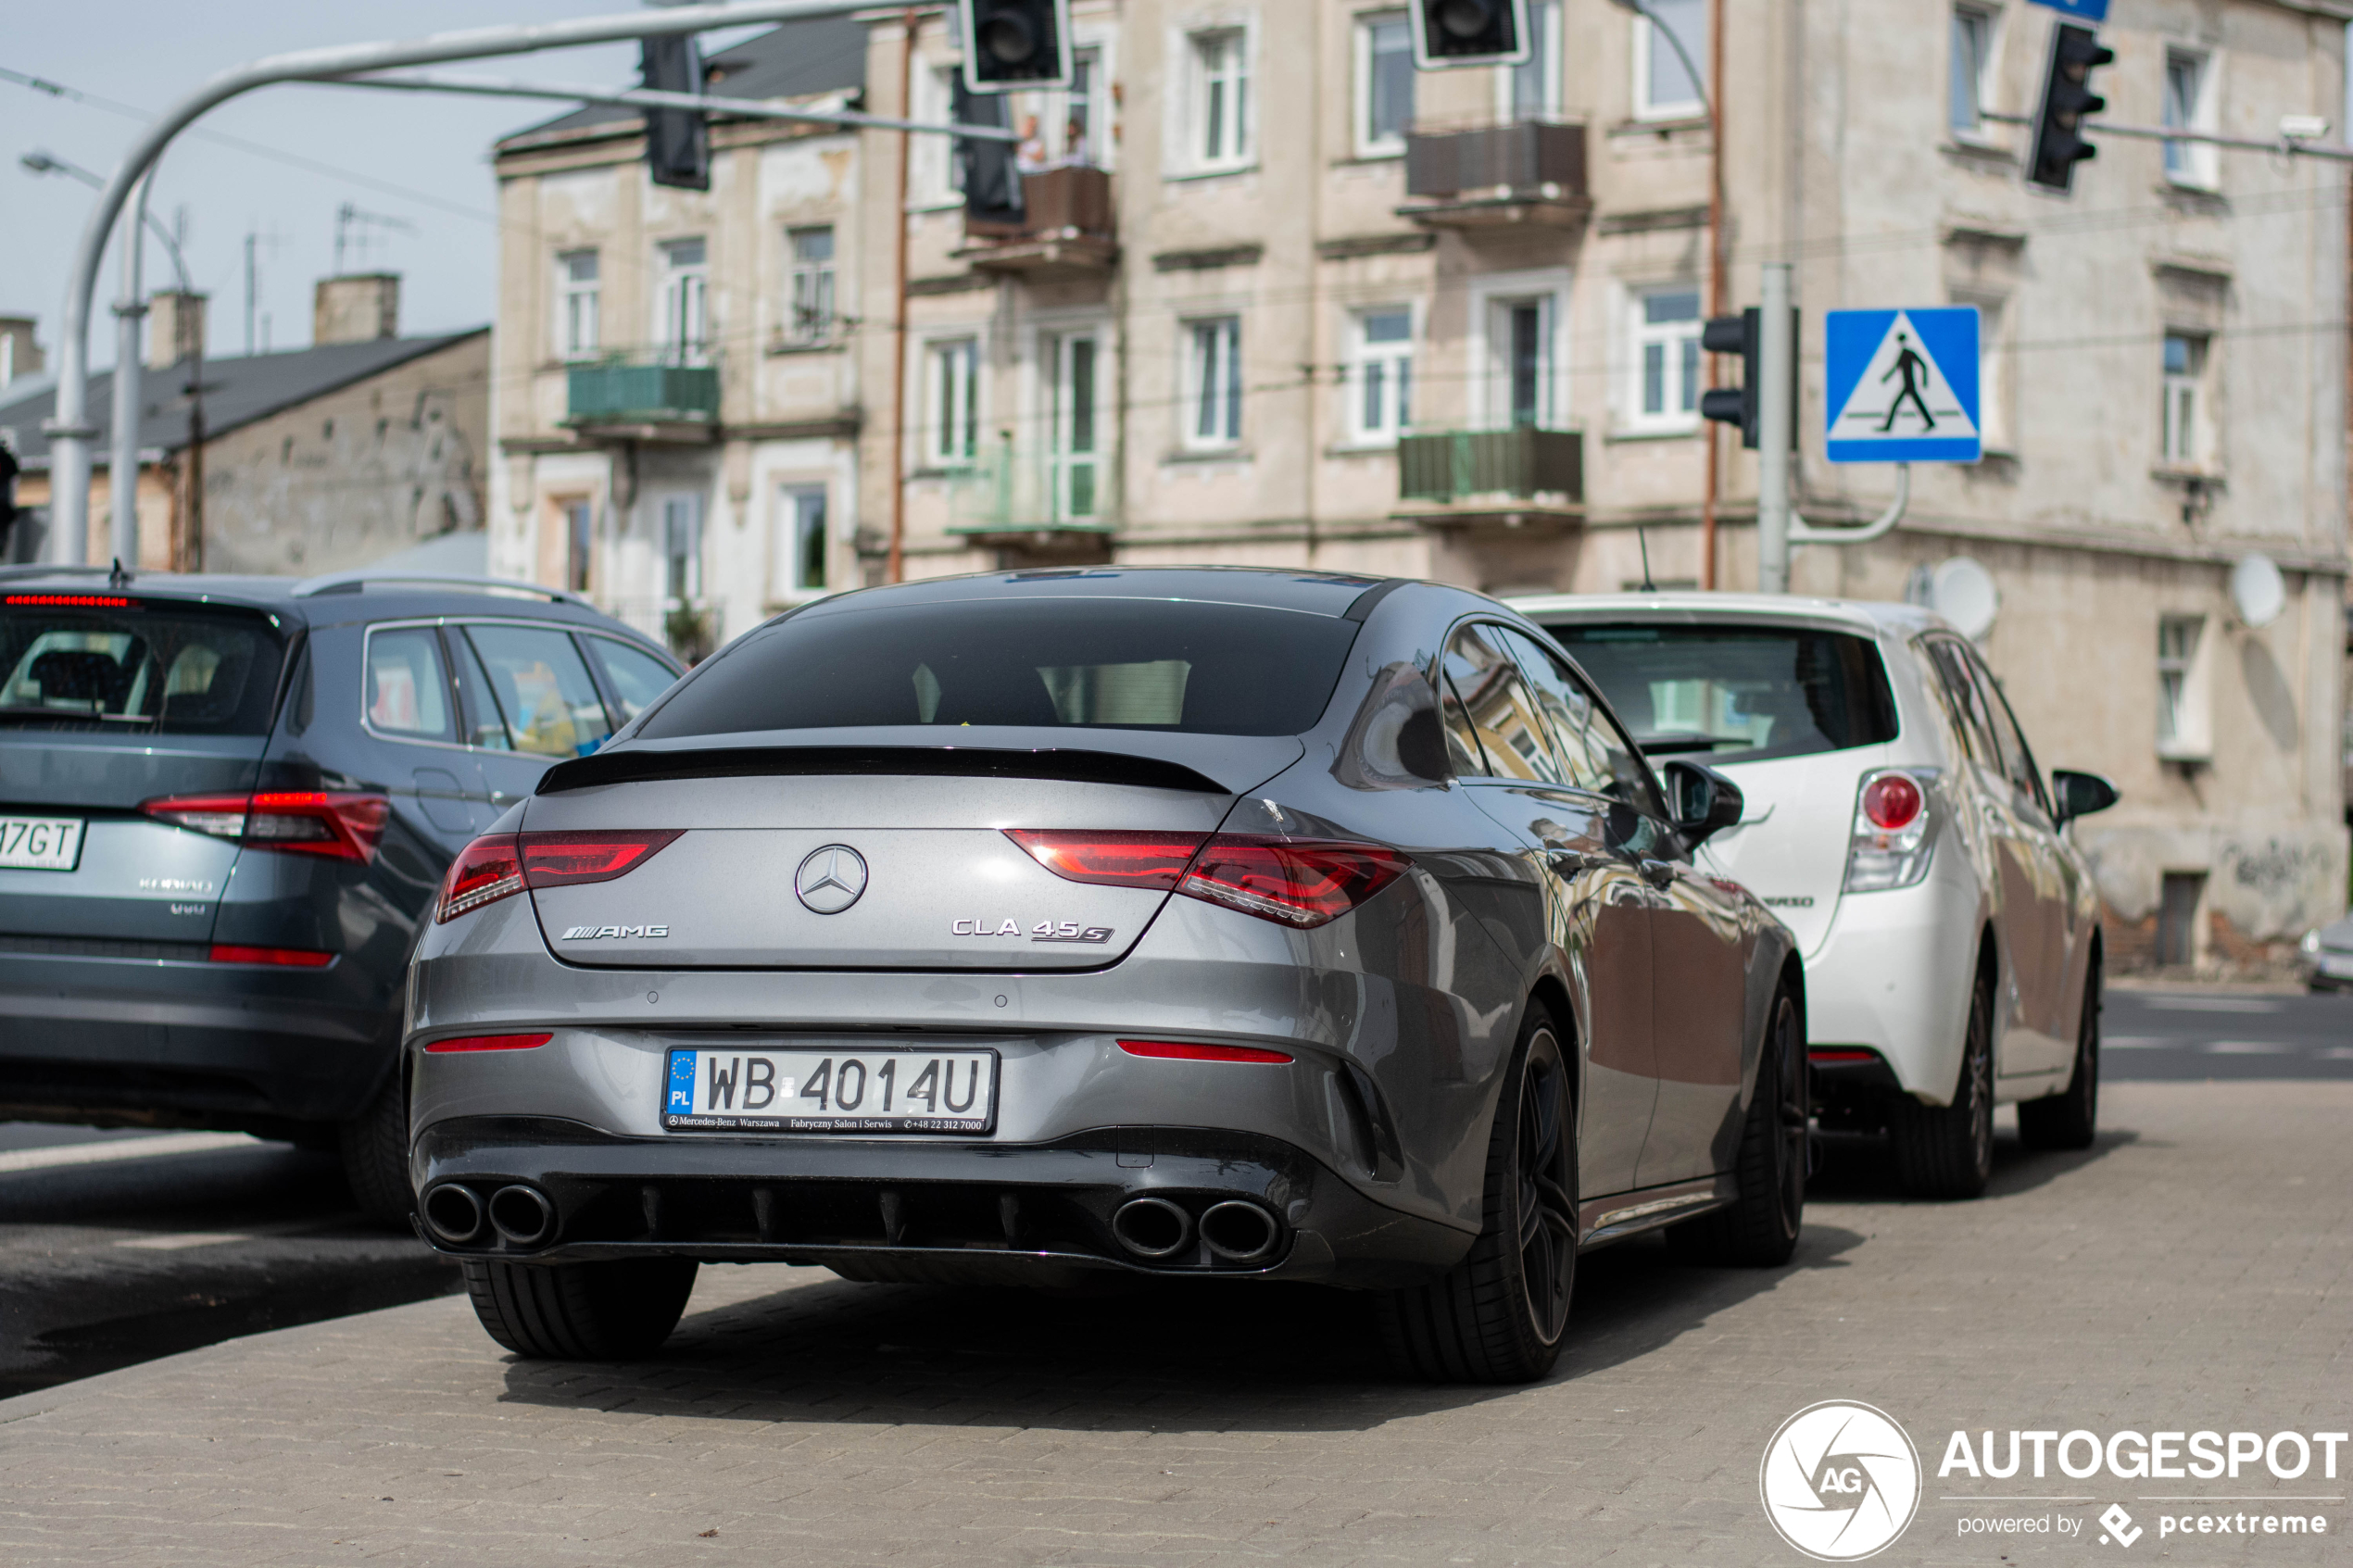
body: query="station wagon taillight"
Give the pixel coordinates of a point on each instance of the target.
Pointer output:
(500, 864)
(1295, 882)
(341, 825)
(1890, 844)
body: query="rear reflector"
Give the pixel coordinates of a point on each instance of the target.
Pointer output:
(341, 826)
(1155, 861)
(1179, 1050)
(1834, 1057)
(488, 1043)
(500, 864)
(1294, 882)
(292, 958)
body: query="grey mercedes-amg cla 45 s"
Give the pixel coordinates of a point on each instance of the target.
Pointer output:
(1188, 922)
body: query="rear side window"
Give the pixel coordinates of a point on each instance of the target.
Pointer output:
(637, 677)
(1729, 692)
(542, 690)
(98, 663)
(1500, 708)
(408, 693)
(1050, 663)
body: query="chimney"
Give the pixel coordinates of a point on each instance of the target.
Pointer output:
(175, 327)
(360, 307)
(19, 356)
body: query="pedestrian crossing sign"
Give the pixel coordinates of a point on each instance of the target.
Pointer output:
(1902, 385)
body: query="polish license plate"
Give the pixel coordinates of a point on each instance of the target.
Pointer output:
(39, 844)
(769, 1090)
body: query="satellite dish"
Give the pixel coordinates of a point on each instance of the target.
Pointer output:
(2257, 592)
(1963, 593)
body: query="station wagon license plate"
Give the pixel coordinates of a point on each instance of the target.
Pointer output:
(770, 1090)
(39, 844)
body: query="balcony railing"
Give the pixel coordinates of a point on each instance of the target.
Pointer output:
(1025, 489)
(1069, 225)
(617, 392)
(1528, 171)
(1457, 466)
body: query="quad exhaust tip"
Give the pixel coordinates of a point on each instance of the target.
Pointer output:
(1151, 1227)
(522, 1215)
(1238, 1231)
(453, 1212)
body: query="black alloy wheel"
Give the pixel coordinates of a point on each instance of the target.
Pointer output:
(1500, 1314)
(1759, 1228)
(1948, 1150)
(2071, 1119)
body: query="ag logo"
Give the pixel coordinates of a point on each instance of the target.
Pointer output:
(1840, 1481)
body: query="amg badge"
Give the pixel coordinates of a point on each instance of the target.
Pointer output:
(623, 933)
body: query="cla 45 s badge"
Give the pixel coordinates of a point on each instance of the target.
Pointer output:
(1044, 931)
(623, 933)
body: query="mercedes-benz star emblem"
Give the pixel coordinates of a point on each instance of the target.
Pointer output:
(831, 879)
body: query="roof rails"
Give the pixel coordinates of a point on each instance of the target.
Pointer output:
(357, 581)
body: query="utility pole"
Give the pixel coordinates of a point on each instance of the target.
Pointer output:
(250, 237)
(1776, 423)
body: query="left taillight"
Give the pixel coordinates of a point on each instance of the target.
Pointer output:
(499, 864)
(1295, 882)
(341, 826)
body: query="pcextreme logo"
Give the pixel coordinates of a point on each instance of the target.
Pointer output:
(1840, 1481)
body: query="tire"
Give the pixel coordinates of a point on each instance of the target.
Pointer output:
(2071, 1119)
(1499, 1315)
(1948, 1150)
(374, 1149)
(581, 1311)
(1759, 1229)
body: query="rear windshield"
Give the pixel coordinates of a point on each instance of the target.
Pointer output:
(1131, 664)
(93, 661)
(1738, 694)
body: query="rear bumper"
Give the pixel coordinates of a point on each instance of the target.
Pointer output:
(893, 1210)
(1894, 974)
(167, 1043)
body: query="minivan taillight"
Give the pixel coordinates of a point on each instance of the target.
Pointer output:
(1891, 843)
(1294, 882)
(341, 825)
(499, 864)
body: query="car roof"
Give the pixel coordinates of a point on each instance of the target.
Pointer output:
(1874, 617)
(1318, 593)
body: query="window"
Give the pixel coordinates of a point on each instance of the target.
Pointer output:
(1664, 87)
(1534, 85)
(636, 677)
(577, 304)
(2181, 436)
(1505, 724)
(812, 285)
(682, 546)
(800, 539)
(1729, 692)
(1384, 84)
(1519, 352)
(1973, 65)
(1072, 415)
(686, 281)
(580, 530)
(1221, 99)
(1213, 383)
(1079, 139)
(1667, 370)
(408, 694)
(2181, 731)
(1380, 395)
(158, 667)
(936, 175)
(2187, 107)
(1995, 383)
(952, 433)
(543, 691)
(1582, 740)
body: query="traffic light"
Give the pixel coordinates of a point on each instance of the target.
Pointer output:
(2076, 52)
(1012, 44)
(677, 140)
(1744, 335)
(1469, 32)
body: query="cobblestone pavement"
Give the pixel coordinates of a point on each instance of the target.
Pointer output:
(2190, 1272)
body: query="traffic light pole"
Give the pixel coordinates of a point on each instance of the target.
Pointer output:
(1775, 427)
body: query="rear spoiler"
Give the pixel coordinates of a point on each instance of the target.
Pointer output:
(625, 765)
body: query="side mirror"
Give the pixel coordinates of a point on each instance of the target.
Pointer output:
(2080, 795)
(1704, 801)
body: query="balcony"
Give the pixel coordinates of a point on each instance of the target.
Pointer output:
(1510, 477)
(1497, 176)
(618, 400)
(1029, 499)
(1069, 229)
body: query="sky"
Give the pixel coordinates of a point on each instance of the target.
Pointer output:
(422, 160)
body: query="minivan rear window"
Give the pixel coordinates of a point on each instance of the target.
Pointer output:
(108, 662)
(1074, 663)
(1734, 693)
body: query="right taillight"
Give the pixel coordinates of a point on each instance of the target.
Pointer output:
(1890, 845)
(501, 864)
(1294, 882)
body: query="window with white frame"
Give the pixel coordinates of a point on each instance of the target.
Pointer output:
(1665, 359)
(1213, 390)
(935, 174)
(682, 548)
(1221, 99)
(801, 541)
(1384, 84)
(952, 430)
(686, 291)
(1532, 88)
(812, 284)
(2182, 728)
(577, 304)
(1519, 362)
(1081, 134)
(2182, 430)
(1996, 384)
(1381, 374)
(2188, 106)
(1665, 88)
(1971, 71)
(580, 541)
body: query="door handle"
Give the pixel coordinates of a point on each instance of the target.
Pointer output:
(1658, 874)
(1573, 862)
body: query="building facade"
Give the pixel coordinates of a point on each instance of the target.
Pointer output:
(1277, 298)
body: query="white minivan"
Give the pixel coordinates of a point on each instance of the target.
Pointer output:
(1898, 823)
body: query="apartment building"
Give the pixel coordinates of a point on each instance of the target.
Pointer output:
(1274, 298)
